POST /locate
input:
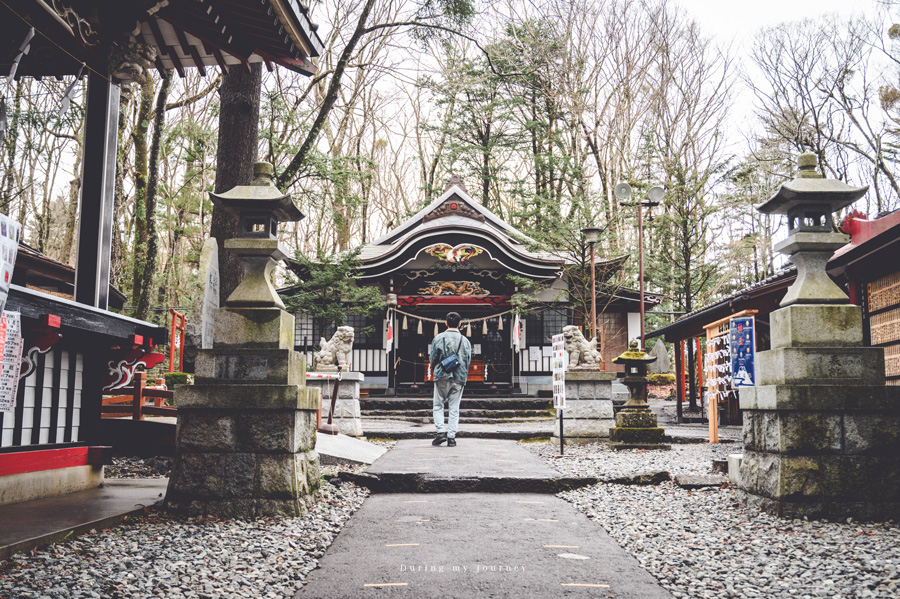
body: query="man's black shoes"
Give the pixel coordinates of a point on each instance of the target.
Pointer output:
(440, 439)
(451, 442)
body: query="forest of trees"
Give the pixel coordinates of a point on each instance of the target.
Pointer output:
(540, 107)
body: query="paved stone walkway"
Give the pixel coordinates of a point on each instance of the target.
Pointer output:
(496, 545)
(24, 526)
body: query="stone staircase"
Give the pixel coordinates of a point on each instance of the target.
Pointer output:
(472, 410)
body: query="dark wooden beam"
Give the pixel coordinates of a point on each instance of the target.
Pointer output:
(97, 192)
(190, 49)
(158, 36)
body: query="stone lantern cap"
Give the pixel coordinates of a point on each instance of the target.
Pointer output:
(809, 187)
(634, 356)
(261, 196)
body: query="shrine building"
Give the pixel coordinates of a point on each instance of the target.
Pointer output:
(456, 255)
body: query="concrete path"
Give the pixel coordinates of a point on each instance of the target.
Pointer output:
(474, 465)
(497, 545)
(24, 526)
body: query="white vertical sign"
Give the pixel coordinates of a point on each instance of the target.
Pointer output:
(559, 362)
(10, 231)
(209, 276)
(11, 344)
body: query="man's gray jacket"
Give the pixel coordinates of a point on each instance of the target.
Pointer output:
(443, 346)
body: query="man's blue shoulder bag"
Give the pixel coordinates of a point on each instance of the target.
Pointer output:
(451, 362)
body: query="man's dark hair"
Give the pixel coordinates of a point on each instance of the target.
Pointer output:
(453, 319)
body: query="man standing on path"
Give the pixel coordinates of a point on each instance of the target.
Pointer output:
(449, 380)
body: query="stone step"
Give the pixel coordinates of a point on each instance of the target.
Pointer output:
(464, 419)
(423, 403)
(463, 412)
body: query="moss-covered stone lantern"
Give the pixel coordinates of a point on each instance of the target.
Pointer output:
(246, 436)
(258, 208)
(636, 426)
(808, 201)
(820, 427)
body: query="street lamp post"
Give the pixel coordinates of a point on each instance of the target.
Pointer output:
(592, 235)
(655, 195)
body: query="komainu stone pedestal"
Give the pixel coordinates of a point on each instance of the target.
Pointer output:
(246, 429)
(347, 414)
(821, 429)
(589, 408)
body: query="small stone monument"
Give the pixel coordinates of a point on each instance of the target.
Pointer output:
(636, 426)
(662, 363)
(589, 395)
(334, 353)
(246, 428)
(821, 429)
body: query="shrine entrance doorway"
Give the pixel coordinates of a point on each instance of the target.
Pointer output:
(492, 353)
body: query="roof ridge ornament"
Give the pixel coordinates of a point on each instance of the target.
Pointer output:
(453, 206)
(455, 180)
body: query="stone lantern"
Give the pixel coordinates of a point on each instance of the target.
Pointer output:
(246, 436)
(258, 208)
(636, 426)
(808, 201)
(821, 429)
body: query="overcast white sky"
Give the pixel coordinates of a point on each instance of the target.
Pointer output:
(735, 21)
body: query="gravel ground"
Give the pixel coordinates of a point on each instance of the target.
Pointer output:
(131, 467)
(706, 544)
(159, 555)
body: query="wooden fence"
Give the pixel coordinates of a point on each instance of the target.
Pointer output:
(139, 401)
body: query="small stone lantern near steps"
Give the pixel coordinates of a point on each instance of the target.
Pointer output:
(636, 426)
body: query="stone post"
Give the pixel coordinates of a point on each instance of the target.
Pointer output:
(245, 443)
(589, 406)
(347, 413)
(821, 429)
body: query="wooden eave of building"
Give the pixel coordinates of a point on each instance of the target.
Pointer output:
(873, 250)
(764, 296)
(43, 274)
(204, 33)
(186, 34)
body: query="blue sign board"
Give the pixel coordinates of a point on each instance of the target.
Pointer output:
(743, 354)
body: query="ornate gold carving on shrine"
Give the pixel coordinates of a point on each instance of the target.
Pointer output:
(453, 288)
(453, 208)
(454, 254)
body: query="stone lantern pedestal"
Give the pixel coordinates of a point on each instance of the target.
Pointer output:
(245, 443)
(821, 429)
(636, 426)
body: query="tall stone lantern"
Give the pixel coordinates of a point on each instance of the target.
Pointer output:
(636, 426)
(245, 443)
(821, 429)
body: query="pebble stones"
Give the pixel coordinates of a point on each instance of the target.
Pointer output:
(159, 555)
(704, 544)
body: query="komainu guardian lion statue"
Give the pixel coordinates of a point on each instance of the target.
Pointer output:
(582, 353)
(335, 352)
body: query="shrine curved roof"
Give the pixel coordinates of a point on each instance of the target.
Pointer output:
(456, 218)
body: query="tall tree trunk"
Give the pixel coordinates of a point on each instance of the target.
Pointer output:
(238, 140)
(72, 211)
(141, 214)
(117, 271)
(143, 298)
